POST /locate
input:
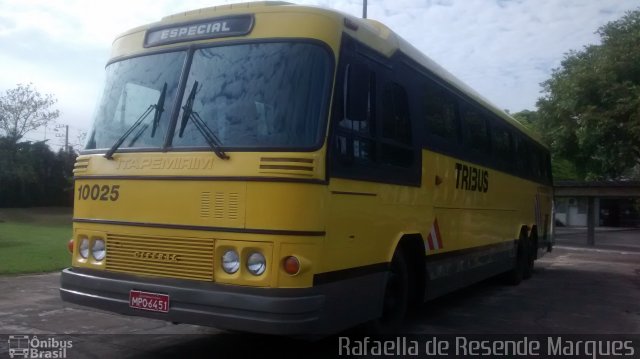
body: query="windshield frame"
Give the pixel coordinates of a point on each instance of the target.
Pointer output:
(175, 108)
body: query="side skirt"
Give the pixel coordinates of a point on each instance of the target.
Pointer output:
(450, 271)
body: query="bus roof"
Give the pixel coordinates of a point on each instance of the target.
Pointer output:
(373, 33)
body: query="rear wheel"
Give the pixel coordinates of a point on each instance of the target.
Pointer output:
(515, 275)
(532, 248)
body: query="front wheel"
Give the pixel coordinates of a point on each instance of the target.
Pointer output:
(396, 297)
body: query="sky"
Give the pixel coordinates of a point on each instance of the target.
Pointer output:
(503, 49)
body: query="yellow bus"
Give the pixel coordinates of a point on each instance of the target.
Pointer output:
(282, 169)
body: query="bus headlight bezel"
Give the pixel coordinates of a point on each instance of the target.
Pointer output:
(83, 247)
(230, 261)
(99, 249)
(256, 263)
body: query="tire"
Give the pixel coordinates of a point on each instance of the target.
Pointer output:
(396, 297)
(517, 273)
(532, 247)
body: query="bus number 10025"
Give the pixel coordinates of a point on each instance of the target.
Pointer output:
(97, 192)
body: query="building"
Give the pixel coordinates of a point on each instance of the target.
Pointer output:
(614, 203)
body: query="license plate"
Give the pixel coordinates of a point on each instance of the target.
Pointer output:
(154, 302)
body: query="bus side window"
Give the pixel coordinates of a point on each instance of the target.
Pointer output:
(543, 168)
(542, 171)
(440, 113)
(522, 156)
(356, 128)
(396, 127)
(546, 164)
(476, 136)
(395, 120)
(534, 165)
(358, 99)
(501, 145)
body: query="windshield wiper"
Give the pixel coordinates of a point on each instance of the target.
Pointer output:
(209, 136)
(137, 136)
(188, 108)
(158, 107)
(159, 110)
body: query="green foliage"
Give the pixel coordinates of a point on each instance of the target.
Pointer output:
(32, 175)
(25, 248)
(590, 113)
(563, 169)
(24, 109)
(34, 240)
(528, 119)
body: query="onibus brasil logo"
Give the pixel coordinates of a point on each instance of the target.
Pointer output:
(24, 346)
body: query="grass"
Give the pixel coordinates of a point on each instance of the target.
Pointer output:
(34, 239)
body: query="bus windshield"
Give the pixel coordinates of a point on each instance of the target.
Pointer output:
(132, 86)
(253, 96)
(259, 95)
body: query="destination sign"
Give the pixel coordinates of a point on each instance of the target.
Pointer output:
(206, 29)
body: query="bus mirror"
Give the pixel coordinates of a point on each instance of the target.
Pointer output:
(357, 93)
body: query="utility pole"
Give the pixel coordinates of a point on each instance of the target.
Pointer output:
(364, 9)
(66, 139)
(66, 135)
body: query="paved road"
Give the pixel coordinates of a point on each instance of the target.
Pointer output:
(575, 289)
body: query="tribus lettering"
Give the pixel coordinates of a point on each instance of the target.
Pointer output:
(471, 178)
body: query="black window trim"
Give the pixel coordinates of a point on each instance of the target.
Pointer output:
(353, 51)
(440, 145)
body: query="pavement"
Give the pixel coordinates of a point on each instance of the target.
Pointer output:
(576, 289)
(613, 238)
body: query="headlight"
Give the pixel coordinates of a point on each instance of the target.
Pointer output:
(256, 264)
(84, 247)
(99, 250)
(230, 261)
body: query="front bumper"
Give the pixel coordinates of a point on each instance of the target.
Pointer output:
(318, 310)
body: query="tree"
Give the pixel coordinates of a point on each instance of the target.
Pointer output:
(528, 119)
(590, 111)
(24, 109)
(32, 175)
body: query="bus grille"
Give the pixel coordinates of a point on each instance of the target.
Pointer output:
(188, 258)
